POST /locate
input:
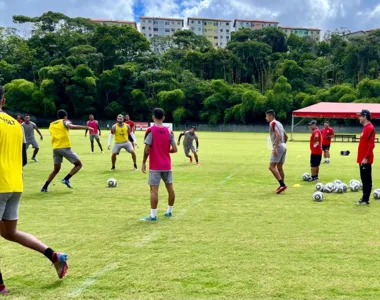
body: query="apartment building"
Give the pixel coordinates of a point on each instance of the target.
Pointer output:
(217, 31)
(114, 22)
(152, 26)
(254, 24)
(360, 33)
(313, 33)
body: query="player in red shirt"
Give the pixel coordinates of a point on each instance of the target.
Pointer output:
(327, 134)
(95, 133)
(132, 125)
(19, 119)
(365, 154)
(316, 150)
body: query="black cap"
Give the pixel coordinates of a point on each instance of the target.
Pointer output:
(365, 113)
(313, 122)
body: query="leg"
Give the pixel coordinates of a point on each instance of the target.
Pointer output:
(196, 156)
(92, 146)
(57, 168)
(134, 157)
(113, 160)
(171, 194)
(274, 170)
(154, 196)
(366, 176)
(35, 152)
(280, 168)
(187, 153)
(99, 144)
(77, 166)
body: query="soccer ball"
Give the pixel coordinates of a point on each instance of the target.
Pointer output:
(337, 182)
(319, 187)
(376, 194)
(306, 177)
(353, 181)
(329, 187)
(112, 182)
(339, 189)
(345, 187)
(318, 196)
(355, 187)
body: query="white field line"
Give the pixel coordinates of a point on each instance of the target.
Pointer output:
(91, 280)
(147, 239)
(227, 178)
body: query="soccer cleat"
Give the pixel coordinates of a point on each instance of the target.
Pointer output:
(198, 163)
(168, 214)
(149, 219)
(113, 169)
(3, 291)
(362, 202)
(281, 189)
(43, 190)
(313, 179)
(34, 159)
(60, 264)
(67, 183)
(102, 152)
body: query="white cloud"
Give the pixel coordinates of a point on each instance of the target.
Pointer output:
(161, 8)
(114, 9)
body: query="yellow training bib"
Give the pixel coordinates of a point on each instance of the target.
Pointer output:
(59, 135)
(121, 134)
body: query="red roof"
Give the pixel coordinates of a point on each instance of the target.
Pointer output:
(207, 19)
(337, 110)
(164, 19)
(300, 28)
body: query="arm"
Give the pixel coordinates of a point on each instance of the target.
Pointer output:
(39, 132)
(197, 142)
(173, 148)
(110, 139)
(179, 138)
(85, 134)
(100, 132)
(371, 144)
(148, 142)
(285, 137)
(72, 126)
(24, 156)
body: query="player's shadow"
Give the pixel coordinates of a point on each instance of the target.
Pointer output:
(57, 193)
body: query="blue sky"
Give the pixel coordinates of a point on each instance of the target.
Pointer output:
(324, 14)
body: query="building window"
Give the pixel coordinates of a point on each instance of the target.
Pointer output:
(221, 30)
(205, 23)
(155, 34)
(227, 30)
(215, 24)
(227, 38)
(149, 28)
(192, 22)
(215, 37)
(167, 29)
(143, 28)
(199, 22)
(149, 21)
(173, 22)
(221, 43)
(227, 24)
(155, 22)
(247, 24)
(150, 34)
(192, 28)
(215, 30)
(178, 23)
(221, 37)
(172, 29)
(216, 44)
(155, 29)
(167, 23)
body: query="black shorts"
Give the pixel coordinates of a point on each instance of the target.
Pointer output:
(325, 147)
(315, 160)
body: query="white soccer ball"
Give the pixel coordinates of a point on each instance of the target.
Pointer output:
(337, 182)
(319, 187)
(112, 182)
(306, 177)
(329, 187)
(355, 187)
(345, 187)
(318, 196)
(354, 181)
(376, 194)
(339, 189)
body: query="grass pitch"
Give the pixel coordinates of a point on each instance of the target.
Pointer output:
(231, 236)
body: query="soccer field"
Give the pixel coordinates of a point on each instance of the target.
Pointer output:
(231, 236)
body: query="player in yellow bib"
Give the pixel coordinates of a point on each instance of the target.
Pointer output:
(60, 140)
(13, 158)
(123, 140)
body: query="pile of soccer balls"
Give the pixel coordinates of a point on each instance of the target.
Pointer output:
(335, 187)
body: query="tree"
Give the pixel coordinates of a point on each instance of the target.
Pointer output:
(171, 101)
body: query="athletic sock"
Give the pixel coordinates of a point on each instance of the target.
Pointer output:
(46, 185)
(1, 281)
(153, 213)
(281, 182)
(68, 177)
(49, 254)
(170, 209)
(135, 166)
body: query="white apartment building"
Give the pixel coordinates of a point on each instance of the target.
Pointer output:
(217, 31)
(152, 26)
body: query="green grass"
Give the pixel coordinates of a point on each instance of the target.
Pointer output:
(231, 236)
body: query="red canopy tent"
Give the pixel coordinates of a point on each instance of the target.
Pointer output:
(335, 110)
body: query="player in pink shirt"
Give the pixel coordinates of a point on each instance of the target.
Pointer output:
(159, 143)
(94, 135)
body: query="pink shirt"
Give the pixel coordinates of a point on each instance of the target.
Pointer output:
(160, 139)
(94, 125)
